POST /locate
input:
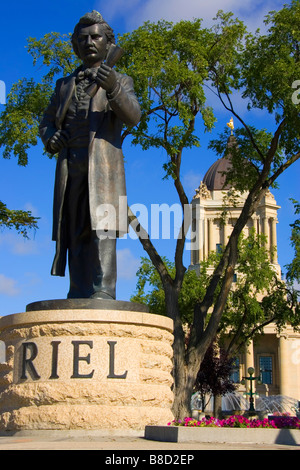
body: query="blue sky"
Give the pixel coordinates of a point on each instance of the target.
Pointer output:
(25, 264)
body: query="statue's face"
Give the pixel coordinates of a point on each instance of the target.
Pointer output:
(92, 44)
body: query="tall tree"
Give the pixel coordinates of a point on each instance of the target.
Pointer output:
(171, 65)
(229, 61)
(293, 269)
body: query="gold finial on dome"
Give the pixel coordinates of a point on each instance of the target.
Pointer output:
(230, 124)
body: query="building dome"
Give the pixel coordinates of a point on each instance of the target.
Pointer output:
(215, 177)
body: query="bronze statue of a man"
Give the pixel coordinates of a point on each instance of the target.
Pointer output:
(84, 128)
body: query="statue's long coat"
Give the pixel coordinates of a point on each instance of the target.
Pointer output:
(106, 176)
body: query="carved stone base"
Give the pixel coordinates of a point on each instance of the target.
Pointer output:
(85, 368)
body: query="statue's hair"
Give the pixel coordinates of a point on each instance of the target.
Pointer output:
(93, 17)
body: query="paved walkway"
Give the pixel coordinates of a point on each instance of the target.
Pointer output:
(121, 443)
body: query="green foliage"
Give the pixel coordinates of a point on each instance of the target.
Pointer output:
(257, 297)
(282, 305)
(149, 289)
(28, 99)
(20, 119)
(262, 72)
(55, 51)
(293, 269)
(165, 85)
(271, 64)
(247, 163)
(170, 65)
(21, 221)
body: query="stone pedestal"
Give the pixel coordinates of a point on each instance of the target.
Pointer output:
(76, 364)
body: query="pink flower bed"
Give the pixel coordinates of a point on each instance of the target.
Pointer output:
(239, 421)
(285, 421)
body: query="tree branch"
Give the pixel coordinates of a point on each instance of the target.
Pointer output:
(149, 248)
(282, 168)
(231, 109)
(239, 330)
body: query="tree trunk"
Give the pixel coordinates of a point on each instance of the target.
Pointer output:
(186, 367)
(181, 407)
(217, 406)
(182, 397)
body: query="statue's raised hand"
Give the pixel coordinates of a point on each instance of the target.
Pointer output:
(106, 78)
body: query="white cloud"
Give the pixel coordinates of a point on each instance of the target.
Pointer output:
(127, 264)
(19, 245)
(31, 279)
(30, 207)
(24, 247)
(118, 8)
(191, 181)
(8, 286)
(296, 285)
(136, 12)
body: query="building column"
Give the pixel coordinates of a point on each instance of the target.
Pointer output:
(194, 235)
(254, 224)
(226, 233)
(210, 236)
(284, 365)
(274, 240)
(257, 226)
(200, 234)
(197, 234)
(265, 231)
(205, 239)
(201, 240)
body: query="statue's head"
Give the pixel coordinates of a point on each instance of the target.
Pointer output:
(91, 38)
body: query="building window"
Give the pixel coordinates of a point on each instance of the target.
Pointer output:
(266, 369)
(235, 371)
(219, 248)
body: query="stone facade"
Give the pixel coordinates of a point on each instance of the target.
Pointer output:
(85, 369)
